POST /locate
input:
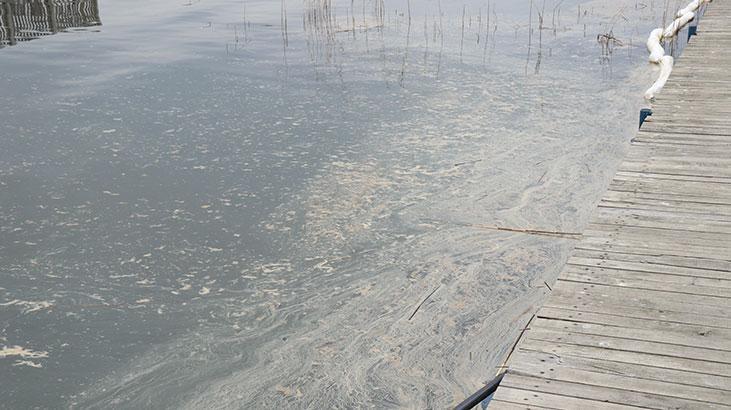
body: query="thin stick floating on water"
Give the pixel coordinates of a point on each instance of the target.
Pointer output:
(527, 231)
(461, 41)
(424, 301)
(568, 235)
(467, 162)
(530, 35)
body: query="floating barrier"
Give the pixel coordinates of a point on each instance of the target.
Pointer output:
(657, 51)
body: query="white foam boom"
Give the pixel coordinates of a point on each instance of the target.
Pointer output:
(680, 22)
(693, 6)
(657, 52)
(666, 67)
(654, 46)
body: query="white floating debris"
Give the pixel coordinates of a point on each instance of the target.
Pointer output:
(29, 306)
(10, 351)
(28, 363)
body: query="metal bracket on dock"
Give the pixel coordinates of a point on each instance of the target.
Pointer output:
(692, 31)
(644, 113)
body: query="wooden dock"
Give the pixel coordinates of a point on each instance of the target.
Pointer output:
(641, 314)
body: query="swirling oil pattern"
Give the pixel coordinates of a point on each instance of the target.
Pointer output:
(298, 204)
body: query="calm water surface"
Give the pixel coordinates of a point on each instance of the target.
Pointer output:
(251, 204)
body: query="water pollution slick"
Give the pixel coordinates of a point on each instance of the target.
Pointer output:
(309, 204)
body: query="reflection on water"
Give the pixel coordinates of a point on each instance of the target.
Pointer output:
(24, 20)
(298, 203)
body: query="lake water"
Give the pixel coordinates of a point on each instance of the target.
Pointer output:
(254, 204)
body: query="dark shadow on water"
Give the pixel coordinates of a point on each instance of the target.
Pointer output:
(25, 20)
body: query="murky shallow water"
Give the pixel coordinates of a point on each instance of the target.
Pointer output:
(201, 209)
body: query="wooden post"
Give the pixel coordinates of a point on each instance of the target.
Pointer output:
(9, 22)
(52, 16)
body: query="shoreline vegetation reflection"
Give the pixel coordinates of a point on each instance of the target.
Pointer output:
(25, 20)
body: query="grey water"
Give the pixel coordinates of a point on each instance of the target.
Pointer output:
(264, 203)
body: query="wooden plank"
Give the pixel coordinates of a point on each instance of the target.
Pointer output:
(602, 394)
(678, 237)
(506, 405)
(598, 274)
(651, 380)
(701, 305)
(551, 401)
(659, 221)
(677, 169)
(666, 197)
(680, 246)
(562, 349)
(719, 335)
(701, 339)
(668, 156)
(674, 215)
(541, 354)
(679, 208)
(664, 238)
(687, 254)
(648, 176)
(659, 245)
(643, 246)
(680, 234)
(633, 310)
(662, 263)
(665, 183)
(656, 141)
(676, 284)
(685, 129)
(712, 360)
(662, 191)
